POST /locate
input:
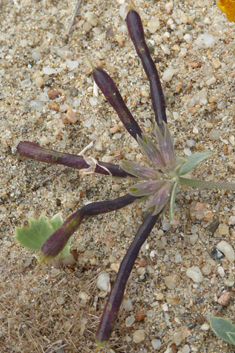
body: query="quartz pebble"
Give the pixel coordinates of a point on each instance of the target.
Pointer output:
(156, 344)
(60, 300)
(168, 74)
(130, 320)
(185, 349)
(195, 274)
(103, 282)
(205, 41)
(49, 71)
(172, 280)
(138, 336)
(227, 250)
(224, 298)
(39, 82)
(153, 24)
(127, 305)
(223, 229)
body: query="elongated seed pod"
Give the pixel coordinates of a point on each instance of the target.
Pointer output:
(56, 242)
(115, 297)
(34, 151)
(113, 96)
(136, 32)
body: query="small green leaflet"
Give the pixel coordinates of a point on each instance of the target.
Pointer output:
(223, 329)
(193, 161)
(39, 230)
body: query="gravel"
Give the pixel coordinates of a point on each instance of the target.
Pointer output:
(36, 56)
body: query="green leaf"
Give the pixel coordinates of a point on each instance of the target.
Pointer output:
(193, 161)
(172, 201)
(223, 329)
(39, 230)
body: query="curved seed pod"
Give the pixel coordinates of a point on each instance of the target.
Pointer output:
(112, 94)
(34, 151)
(54, 245)
(136, 32)
(115, 297)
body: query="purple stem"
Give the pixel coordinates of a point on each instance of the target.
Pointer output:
(112, 94)
(34, 151)
(115, 297)
(136, 32)
(56, 242)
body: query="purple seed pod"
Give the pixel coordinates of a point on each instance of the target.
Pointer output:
(34, 151)
(116, 295)
(56, 242)
(112, 94)
(136, 32)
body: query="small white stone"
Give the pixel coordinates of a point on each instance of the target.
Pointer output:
(211, 81)
(187, 151)
(72, 64)
(188, 38)
(221, 272)
(39, 82)
(153, 25)
(127, 305)
(49, 70)
(195, 274)
(205, 40)
(91, 18)
(193, 238)
(44, 140)
(168, 74)
(227, 249)
(205, 326)
(223, 229)
(60, 300)
(23, 43)
(138, 336)
(36, 55)
(93, 101)
(156, 344)
(169, 7)
(103, 282)
(130, 320)
(185, 349)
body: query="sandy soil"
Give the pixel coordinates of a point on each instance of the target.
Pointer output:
(58, 309)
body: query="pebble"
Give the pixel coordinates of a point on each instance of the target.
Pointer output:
(127, 305)
(72, 64)
(221, 271)
(60, 300)
(36, 105)
(223, 229)
(71, 116)
(205, 326)
(138, 336)
(103, 282)
(195, 274)
(193, 238)
(168, 74)
(39, 82)
(91, 18)
(130, 320)
(216, 254)
(169, 7)
(205, 41)
(84, 297)
(224, 298)
(49, 70)
(185, 349)
(227, 249)
(153, 25)
(172, 280)
(53, 94)
(156, 344)
(215, 134)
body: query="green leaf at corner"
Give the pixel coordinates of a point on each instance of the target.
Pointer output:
(223, 329)
(193, 161)
(39, 230)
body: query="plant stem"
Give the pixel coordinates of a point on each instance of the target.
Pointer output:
(115, 297)
(34, 151)
(54, 245)
(207, 184)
